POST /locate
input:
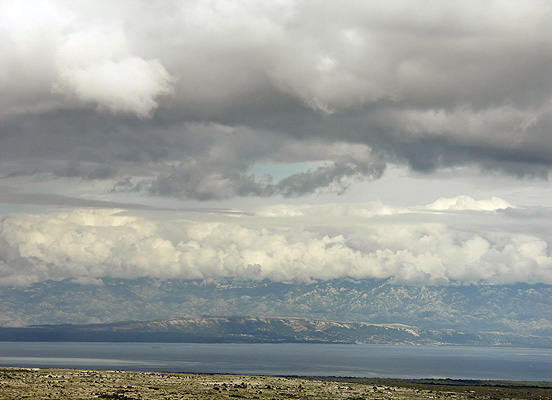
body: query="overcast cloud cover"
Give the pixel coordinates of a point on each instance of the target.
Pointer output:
(271, 129)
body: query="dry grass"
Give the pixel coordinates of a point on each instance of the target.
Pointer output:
(17, 383)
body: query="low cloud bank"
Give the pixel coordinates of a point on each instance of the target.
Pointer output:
(90, 244)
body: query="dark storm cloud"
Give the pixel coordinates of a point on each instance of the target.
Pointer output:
(307, 182)
(184, 98)
(206, 185)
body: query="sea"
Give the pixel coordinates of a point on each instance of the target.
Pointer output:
(298, 359)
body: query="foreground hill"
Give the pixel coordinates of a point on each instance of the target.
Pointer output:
(520, 308)
(202, 329)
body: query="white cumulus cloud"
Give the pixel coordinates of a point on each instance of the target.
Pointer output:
(87, 245)
(466, 203)
(96, 65)
(130, 85)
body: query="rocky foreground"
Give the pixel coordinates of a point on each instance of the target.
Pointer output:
(17, 383)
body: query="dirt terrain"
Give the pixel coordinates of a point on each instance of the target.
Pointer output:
(18, 383)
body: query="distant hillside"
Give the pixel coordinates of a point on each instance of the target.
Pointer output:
(202, 329)
(520, 308)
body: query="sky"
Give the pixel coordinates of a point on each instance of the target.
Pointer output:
(283, 140)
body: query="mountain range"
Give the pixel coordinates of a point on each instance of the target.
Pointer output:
(521, 308)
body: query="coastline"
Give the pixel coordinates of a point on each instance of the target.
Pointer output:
(54, 383)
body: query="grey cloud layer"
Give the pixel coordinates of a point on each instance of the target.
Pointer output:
(182, 98)
(432, 244)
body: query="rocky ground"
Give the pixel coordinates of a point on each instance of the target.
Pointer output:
(17, 383)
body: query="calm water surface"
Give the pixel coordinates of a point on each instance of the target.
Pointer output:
(289, 359)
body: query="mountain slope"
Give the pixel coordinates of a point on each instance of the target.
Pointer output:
(201, 329)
